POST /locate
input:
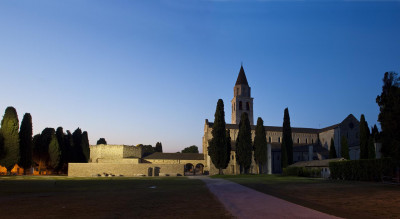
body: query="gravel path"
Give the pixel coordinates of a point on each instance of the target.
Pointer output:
(244, 202)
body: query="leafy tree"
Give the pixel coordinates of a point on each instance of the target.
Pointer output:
(244, 144)
(9, 130)
(1, 145)
(147, 149)
(287, 140)
(191, 149)
(101, 141)
(68, 145)
(364, 135)
(217, 148)
(85, 147)
(55, 161)
(159, 147)
(345, 148)
(389, 116)
(26, 142)
(375, 133)
(260, 145)
(371, 148)
(61, 142)
(332, 150)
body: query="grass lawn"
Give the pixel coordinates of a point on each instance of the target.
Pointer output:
(122, 197)
(344, 199)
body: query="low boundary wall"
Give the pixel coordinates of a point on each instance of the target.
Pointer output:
(93, 169)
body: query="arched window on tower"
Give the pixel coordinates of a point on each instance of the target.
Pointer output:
(247, 106)
(240, 105)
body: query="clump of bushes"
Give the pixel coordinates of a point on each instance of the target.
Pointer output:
(302, 171)
(363, 170)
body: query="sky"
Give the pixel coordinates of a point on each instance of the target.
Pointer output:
(140, 72)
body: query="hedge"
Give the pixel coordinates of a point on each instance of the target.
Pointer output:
(364, 170)
(302, 171)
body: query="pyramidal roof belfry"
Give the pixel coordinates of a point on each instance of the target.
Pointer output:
(241, 77)
(242, 100)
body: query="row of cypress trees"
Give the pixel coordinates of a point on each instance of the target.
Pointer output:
(219, 147)
(49, 150)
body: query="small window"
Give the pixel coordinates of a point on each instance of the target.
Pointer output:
(279, 140)
(306, 140)
(298, 140)
(269, 139)
(233, 157)
(240, 105)
(247, 106)
(312, 141)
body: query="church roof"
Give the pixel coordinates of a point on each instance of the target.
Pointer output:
(175, 156)
(241, 77)
(271, 128)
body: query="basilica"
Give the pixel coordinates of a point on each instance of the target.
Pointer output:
(308, 143)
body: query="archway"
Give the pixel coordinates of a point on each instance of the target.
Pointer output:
(189, 169)
(199, 169)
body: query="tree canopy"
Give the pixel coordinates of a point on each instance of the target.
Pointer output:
(364, 136)
(159, 147)
(332, 150)
(287, 140)
(10, 132)
(389, 115)
(345, 148)
(191, 149)
(101, 141)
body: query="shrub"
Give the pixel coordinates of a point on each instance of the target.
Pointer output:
(364, 170)
(302, 171)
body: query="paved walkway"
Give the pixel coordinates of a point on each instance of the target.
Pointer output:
(244, 202)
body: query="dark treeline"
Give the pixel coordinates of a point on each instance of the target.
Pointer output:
(49, 151)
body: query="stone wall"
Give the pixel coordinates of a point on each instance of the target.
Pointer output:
(92, 169)
(113, 153)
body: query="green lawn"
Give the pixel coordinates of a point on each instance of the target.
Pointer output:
(348, 199)
(119, 197)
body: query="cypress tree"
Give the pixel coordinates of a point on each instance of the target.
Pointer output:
(54, 153)
(228, 148)
(371, 148)
(77, 153)
(217, 148)
(61, 142)
(364, 135)
(332, 150)
(287, 136)
(85, 147)
(9, 130)
(26, 142)
(159, 147)
(68, 145)
(260, 145)
(345, 148)
(1, 145)
(45, 139)
(101, 141)
(244, 144)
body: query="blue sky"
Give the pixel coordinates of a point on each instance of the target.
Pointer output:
(146, 71)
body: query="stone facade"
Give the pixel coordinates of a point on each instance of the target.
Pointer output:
(308, 143)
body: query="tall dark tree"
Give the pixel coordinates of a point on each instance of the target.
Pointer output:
(68, 145)
(260, 145)
(375, 133)
(345, 148)
(244, 144)
(159, 147)
(332, 150)
(371, 148)
(1, 145)
(101, 141)
(77, 146)
(228, 147)
(26, 143)
(191, 149)
(85, 147)
(9, 130)
(389, 116)
(287, 140)
(61, 142)
(45, 139)
(364, 135)
(55, 161)
(217, 148)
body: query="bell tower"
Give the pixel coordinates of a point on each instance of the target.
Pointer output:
(242, 100)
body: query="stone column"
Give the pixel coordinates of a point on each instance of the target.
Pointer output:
(269, 160)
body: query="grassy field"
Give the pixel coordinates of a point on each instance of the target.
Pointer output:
(344, 199)
(52, 196)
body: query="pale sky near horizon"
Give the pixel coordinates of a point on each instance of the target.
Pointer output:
(145, 71)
